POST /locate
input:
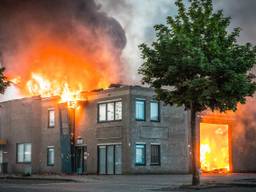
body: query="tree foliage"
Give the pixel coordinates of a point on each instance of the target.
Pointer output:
(196, 60)
(3, 81)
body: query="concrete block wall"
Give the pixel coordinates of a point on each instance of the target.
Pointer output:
(50, 136)
(171, 133)
(26, 120)
(20, 122)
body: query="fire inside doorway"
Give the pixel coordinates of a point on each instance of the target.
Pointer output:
(214, 148)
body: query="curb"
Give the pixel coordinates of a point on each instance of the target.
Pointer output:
(36, 178)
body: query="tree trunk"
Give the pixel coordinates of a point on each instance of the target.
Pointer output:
(195, 148)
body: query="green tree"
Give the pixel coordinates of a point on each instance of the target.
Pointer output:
(197, 62)
(3, 81)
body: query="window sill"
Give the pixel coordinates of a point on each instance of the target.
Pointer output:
(139, 165)
(154, 164)
(23, 162)
(109, 121)
(140, 120)
(155, 121)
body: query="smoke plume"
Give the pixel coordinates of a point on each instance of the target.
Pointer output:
(67, 39)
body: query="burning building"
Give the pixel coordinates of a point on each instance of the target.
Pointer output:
(227, 140)
(114, 131)
(120, 130)
(54, 53)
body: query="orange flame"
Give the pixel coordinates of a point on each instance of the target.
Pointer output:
(214, 148)
(54, 68)
(38, 85)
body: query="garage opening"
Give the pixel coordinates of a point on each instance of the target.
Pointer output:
(214, 148)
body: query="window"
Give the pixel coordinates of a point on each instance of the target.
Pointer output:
(50, 156)
(102, 112)
(110, 111)
(140, 154)
(24, 153)
(154, 111)
(118, 107)
(51, 118)
(140, 110)
(155, 154)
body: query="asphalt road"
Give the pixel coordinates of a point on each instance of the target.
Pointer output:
(139, 183)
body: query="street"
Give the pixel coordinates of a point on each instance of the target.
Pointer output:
(178, 183)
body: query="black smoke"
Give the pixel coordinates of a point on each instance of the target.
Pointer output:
(21, 20)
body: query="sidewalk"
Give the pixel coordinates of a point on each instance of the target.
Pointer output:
(207, 180)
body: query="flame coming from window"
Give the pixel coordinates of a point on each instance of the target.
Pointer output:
(214, 148)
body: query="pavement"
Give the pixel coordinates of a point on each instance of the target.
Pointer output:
(127, 183)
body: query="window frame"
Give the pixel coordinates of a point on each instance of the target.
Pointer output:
(98, 112)
(49, 164)
(106, 112)
(159, 155)
(144, 154)
(158, 105)
(144, 101)
(49, 111)
(17, 153)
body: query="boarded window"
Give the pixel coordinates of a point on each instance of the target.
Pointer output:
(155, 154)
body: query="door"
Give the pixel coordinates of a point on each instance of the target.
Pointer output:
(109, 159)
(79, 164)
(118, 159)
(102, 160)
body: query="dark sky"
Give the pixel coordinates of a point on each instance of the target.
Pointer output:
(243, 14)
(139, 16)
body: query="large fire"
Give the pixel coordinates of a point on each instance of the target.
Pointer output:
(54, 69)
(214, 148)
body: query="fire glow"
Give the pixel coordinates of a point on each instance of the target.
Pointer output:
(59, 48)
(65, 71)
(214, 148)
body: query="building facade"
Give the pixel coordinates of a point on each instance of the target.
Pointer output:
(120, 130)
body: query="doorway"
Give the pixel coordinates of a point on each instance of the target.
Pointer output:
(214, 148)
(109, 159)
(80, 167)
